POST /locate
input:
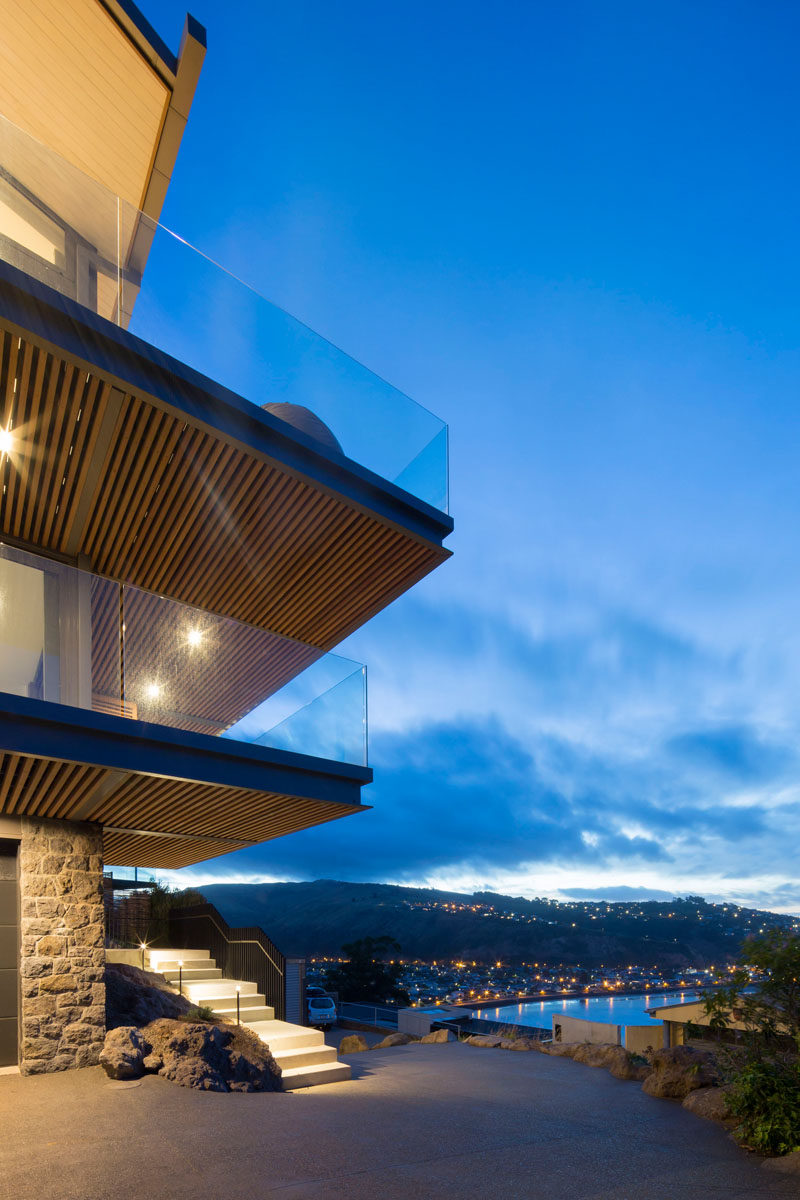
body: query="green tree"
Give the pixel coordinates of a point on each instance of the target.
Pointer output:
(773, 1011)
(366, 975)
(764, 1077)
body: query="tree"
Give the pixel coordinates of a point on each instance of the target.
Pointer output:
(773, 1011)
(764, 1078)
(365, 975)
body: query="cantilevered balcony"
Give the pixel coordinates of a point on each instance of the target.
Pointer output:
(185, 734)
(172, 428)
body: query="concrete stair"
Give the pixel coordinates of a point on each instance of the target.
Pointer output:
(301, 1053)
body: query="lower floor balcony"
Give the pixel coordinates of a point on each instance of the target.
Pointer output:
(183, 734)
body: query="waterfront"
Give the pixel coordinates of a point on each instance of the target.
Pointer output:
(616, 1010)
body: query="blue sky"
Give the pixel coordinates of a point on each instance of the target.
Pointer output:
(570, 231)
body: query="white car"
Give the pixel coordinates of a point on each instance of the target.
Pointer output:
(321, 1012)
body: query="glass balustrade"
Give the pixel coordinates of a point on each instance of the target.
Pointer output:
(68, 231)
(71, 637)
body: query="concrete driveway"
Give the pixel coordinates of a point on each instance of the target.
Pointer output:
(415, 1121)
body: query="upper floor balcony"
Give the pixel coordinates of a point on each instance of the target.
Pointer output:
(185, 734)
(144, 387)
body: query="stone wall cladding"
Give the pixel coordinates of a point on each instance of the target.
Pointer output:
(63, 945)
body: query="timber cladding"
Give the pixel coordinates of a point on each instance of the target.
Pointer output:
(156, 501)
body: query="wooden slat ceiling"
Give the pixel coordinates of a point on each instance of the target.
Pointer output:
(73, 79)
(153, 500)
(151, 821)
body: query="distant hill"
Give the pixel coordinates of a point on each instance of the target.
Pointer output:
(314, 919)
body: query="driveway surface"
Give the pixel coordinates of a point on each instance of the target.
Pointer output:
(428, 1122)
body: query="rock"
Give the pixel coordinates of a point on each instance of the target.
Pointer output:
(438, 1035)
(488, 1041)
(523, 1043)
(217, 1058)
(560, 1049)
(352, 1043)
(679, 1070)
(135, 997)
(122, 1056)
(788, 1164)
(709, 1102)
(393, 1039)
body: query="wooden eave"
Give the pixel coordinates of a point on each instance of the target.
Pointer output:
(144, 471)
(165, 798)
(93, 81)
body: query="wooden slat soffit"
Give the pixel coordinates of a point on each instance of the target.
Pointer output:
(146, 497)
(151, 821)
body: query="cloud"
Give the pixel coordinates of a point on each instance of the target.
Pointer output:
(735, 751)
(616, 894)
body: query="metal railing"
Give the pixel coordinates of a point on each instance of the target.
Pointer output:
(244, 953)
(369, 1014)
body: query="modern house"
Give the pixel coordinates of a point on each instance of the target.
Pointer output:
(199, 498)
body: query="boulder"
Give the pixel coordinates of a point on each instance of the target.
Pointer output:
(218, 1058)
(787, 1164)
(438, 1035)
(488, 1041)
(352, 1043)
(394, 1039)
(679, 1070)
(523, 1043)
(709, 1102)
(123, 1053)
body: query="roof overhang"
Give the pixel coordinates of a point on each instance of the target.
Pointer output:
(145, 471)
(93, 81)
(165, 798)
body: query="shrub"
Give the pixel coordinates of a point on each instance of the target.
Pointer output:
(765, 1097)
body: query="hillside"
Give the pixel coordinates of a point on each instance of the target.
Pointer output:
(315, 919)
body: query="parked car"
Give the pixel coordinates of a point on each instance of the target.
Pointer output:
(321, 1011)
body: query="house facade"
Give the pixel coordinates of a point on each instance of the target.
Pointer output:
(199, 499)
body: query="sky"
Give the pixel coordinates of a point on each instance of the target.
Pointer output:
(571, 232)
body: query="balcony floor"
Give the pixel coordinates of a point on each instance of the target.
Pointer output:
(165, 798)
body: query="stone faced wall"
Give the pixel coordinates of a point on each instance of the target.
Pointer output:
(63, 945)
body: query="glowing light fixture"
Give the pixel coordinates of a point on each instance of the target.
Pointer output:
(6, 441)
(152, 691)
(194, 637)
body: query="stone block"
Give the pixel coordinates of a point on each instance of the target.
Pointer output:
(39, 1047)
(95, 1015)
(35, 968)
(29, 987)
(51, 946)
(78, 1034)
(76, 916)
(58, 983)
(40, 1006)
(35, 927)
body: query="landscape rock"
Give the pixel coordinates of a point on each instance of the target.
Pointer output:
(394, 1039)
(787, 1164)
(122, 1056)
(438, 1035)
(219, 1058)
(679, 1070)
(523, 1043)
(488, 1041)
(352, 1043)
(709, 1102)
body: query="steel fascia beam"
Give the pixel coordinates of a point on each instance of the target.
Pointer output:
(40, 729)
